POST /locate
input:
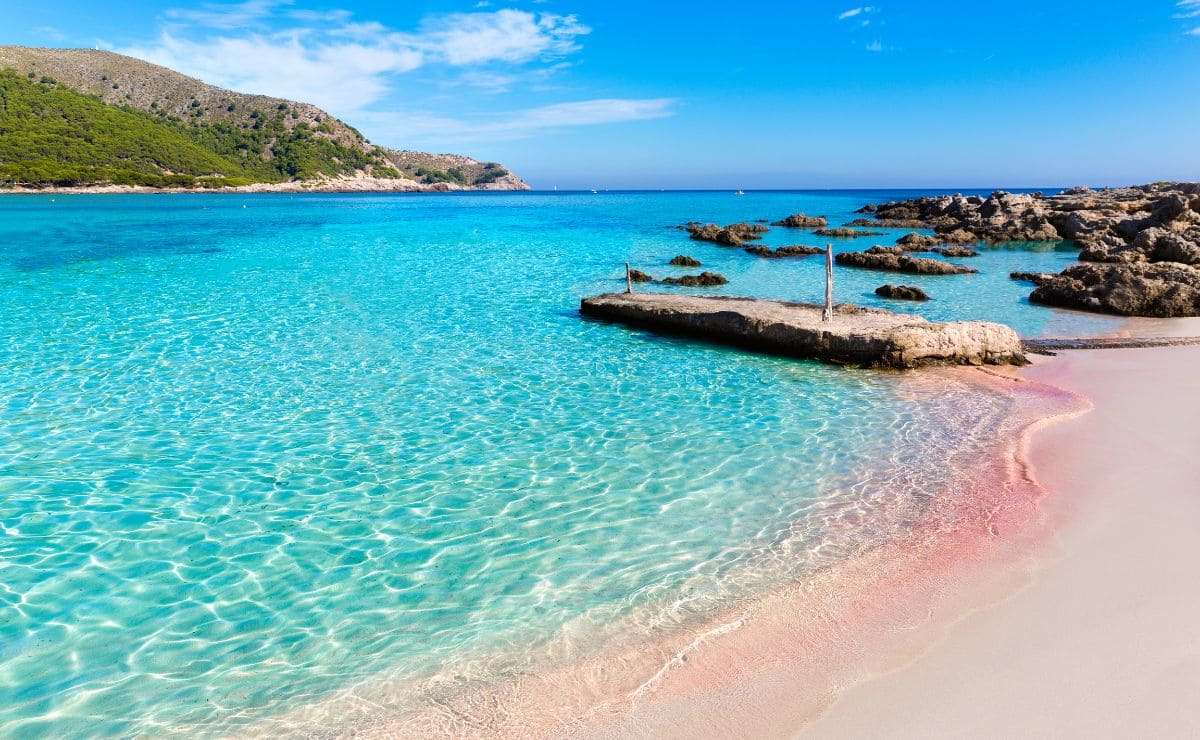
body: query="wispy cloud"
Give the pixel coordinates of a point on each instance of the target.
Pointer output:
(420, 128)
(1188, 9)
(856, 12)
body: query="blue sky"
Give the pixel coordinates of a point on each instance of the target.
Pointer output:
(584, 93)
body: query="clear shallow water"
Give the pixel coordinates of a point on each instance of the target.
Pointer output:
(252, 455)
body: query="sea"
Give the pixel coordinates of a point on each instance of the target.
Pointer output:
(260, 451)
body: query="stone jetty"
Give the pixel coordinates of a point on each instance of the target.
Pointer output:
(855, 336)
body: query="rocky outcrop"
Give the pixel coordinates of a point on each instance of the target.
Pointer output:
(854, 336)
(797, 250)
(801, 221)
(844, 233)
(638, 276)
(703, 280)
(894, 259)
(1163, 289)
(682, 260)
(902, 292)
(733, 235)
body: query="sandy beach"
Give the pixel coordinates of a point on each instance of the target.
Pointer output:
(1102, 642)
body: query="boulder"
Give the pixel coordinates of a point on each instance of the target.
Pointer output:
(682, 260)
(902, 292)
(1037, 278)
(638, 276)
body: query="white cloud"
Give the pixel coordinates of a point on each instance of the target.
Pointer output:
(504, 35)
(339, 76)
(1188, 9)
(875, 46)
(344, 66)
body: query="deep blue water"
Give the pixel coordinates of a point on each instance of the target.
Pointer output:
(257, 450)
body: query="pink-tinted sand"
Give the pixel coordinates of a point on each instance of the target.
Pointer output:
(1104, 642)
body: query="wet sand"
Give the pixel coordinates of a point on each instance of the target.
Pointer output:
(1103, 642)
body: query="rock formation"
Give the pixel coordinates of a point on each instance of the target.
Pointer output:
(682, 260)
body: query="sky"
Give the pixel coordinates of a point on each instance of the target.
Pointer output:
(751, 95)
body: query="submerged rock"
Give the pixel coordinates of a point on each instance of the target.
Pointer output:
(902, 292)
(893, 259)
(843, 233)
(955, 252)
(801, 221)
(1037, 278)
(682, 260)
(703, 280)
(1164, 289)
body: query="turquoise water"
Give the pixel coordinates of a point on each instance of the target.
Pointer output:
(255, 450)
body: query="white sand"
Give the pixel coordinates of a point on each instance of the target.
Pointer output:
(1105, 641)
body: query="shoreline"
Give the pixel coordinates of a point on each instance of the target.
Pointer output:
(344, 185)
(768, 667)
(1101, 642)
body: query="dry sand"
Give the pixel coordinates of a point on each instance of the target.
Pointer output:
(1105, 640)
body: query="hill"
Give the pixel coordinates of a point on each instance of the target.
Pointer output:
(83, 117)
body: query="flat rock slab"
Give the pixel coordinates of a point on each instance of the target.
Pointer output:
(856, 336)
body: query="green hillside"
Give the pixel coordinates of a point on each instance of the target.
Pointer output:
(51, 135)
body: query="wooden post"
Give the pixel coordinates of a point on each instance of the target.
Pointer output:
(827, 315)
(628, 279)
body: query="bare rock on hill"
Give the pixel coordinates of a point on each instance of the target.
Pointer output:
(893, 259)
(682, 260)
(1164, 289)
(801, 221)
(703, 280)
(902, 292)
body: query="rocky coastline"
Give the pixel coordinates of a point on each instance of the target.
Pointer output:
(1139, 246)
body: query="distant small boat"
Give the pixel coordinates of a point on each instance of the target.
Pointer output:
(740, 192)
(594, 192)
